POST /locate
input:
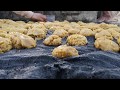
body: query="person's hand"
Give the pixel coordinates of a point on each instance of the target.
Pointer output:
(39, 17)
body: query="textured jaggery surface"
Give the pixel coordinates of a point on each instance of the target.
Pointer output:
(38, 63)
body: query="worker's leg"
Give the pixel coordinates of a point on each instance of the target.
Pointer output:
(110, 17)
(105, 16)
(116, 16)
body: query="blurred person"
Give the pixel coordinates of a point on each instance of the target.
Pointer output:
(31, 15)
(109, 17)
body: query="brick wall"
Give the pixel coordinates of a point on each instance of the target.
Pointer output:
(60, 15)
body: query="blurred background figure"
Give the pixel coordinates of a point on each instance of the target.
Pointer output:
(109, 17)
(31, 15)
(85, 16)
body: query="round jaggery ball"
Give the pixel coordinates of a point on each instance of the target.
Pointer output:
(53, 28)
(65, 22)
(12, 28)
(92, 26)
(98, 30)
(81, 23)
(106, 45)
(64, 51)
(75, 25)
(104, 25)
(53, 40)
(113, 26)
(73, 31)
(61, 33)
(76, 40)
(3, 31)
(114, 33)
(22, 41)
(5, 44)
(48, 25)
(87, 32)
(67, 27)
(105, 34)
(21, 22)
(37, 33)
(117, 29)
(5, 35)
(118, 41)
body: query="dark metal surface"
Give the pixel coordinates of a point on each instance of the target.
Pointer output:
(38, 63)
